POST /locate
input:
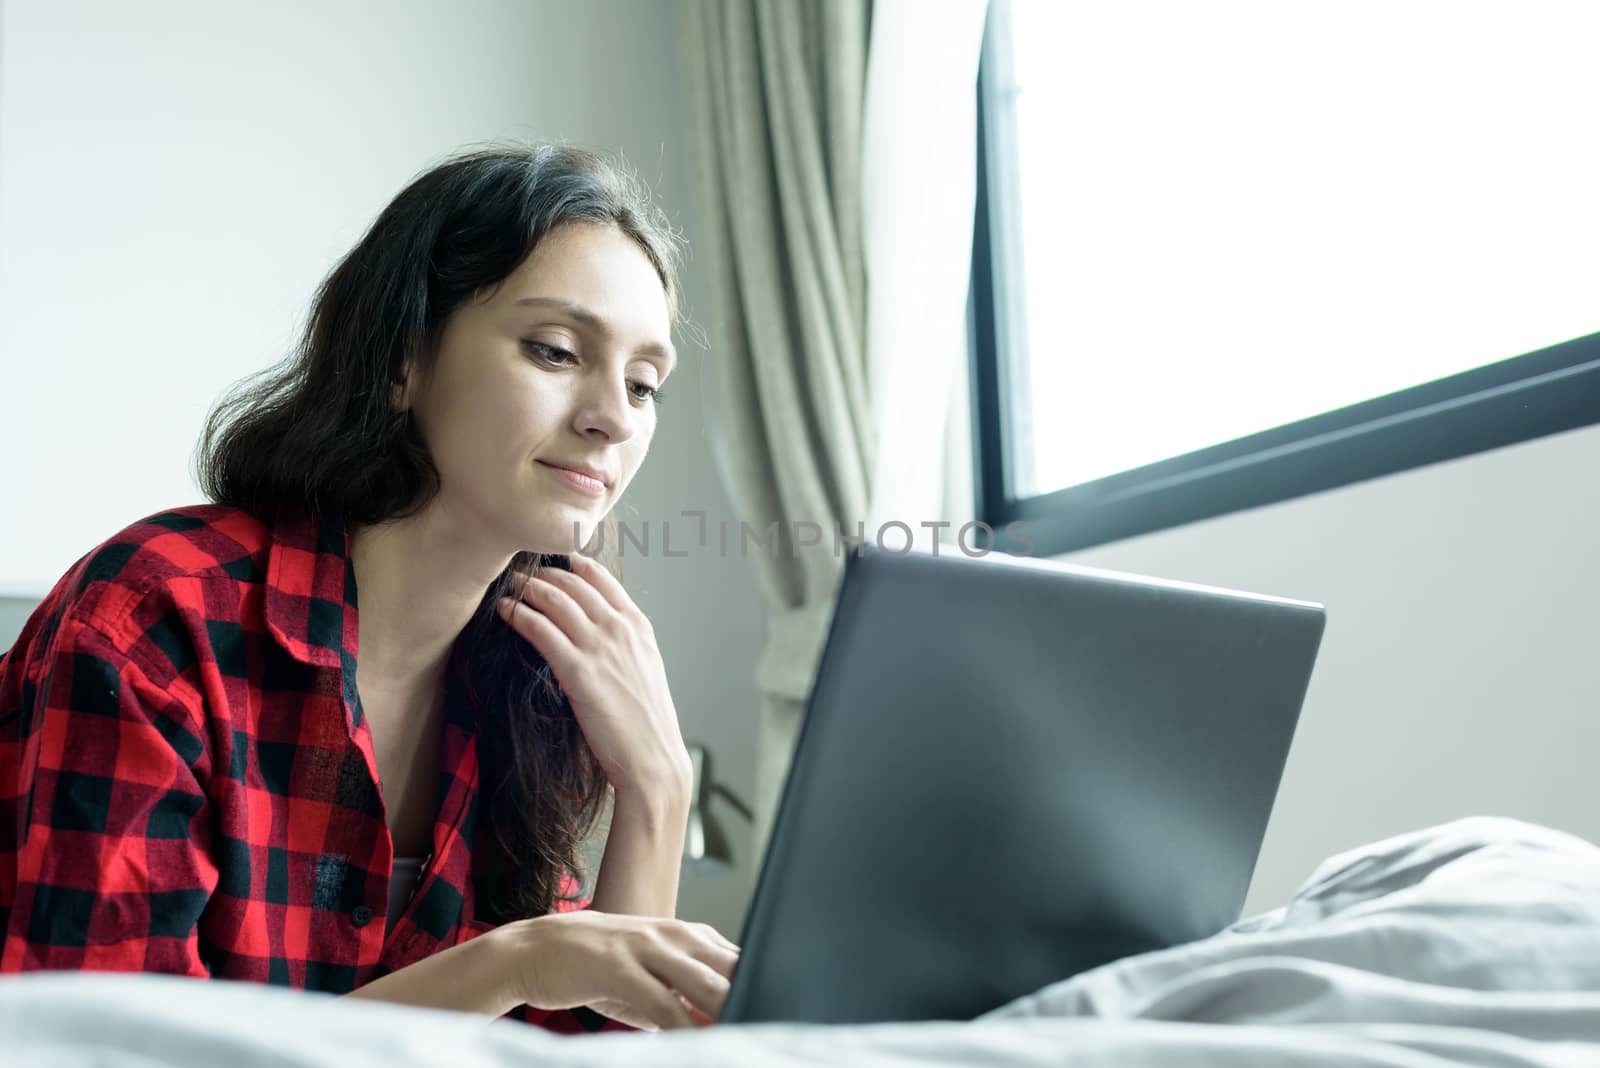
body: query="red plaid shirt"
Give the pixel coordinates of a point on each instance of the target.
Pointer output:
(187, 784)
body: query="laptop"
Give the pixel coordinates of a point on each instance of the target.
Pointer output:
(1011, 771)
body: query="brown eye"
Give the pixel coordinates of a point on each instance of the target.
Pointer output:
(549, 353)
(647, 392)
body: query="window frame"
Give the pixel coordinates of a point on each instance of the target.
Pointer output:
(1528, 396)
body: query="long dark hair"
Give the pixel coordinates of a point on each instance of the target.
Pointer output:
(318, 436)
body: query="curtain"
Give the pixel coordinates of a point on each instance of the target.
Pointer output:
(838, 406)
(778, 109)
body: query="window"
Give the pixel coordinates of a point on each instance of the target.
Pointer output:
(1232, 253)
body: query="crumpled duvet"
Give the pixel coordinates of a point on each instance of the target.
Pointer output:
(1473, 943)
(1479, 935)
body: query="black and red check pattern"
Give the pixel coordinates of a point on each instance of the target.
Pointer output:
(186, 781)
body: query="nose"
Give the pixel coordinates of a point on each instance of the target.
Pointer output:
(605, 409)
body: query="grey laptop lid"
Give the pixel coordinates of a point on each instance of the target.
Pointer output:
(1011, 771)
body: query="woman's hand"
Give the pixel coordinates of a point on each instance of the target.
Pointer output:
(643, 971)
(602, 650)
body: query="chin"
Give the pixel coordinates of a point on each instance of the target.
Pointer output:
(556, 536)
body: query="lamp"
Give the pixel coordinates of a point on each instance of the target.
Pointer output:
(705, 845)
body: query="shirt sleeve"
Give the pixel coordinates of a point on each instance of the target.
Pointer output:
(113, 866)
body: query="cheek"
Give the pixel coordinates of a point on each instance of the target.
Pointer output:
(514, 408)
(638, 449)
(473, 426)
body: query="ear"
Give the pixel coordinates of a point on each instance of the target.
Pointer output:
(400, 389)
(408, 379)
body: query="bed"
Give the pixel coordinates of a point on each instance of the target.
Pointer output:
(1473, 943)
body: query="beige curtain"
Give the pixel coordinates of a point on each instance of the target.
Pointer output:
(779, 88)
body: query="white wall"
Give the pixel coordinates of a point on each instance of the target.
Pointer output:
(177, 177)
(1457, 675)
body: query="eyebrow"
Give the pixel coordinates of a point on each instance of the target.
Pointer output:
(578, 313)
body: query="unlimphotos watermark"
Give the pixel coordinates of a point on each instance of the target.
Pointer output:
(897, 538)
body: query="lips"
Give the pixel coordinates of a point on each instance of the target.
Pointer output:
(582, 469)
(578, 481)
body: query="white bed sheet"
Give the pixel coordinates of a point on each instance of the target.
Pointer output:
(1473, 943)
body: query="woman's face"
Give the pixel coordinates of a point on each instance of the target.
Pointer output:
(552, 369)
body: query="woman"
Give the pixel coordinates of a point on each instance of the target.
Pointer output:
(344, 727)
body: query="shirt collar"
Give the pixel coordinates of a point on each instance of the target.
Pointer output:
(311, 610)
(311, 591)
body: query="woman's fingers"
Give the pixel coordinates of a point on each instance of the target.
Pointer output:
(714, 953)
(589, 600)
(604, 582)
(641, 971)
(624, 1013)
(651, 996)
(627, 1013)
(694, 963)
(698, 982)
(542, 633)
(556, 604)
(700, 1018)
(720, 960)
(708, 945)
(716, 936)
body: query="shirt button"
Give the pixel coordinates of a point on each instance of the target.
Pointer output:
(361, 915)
